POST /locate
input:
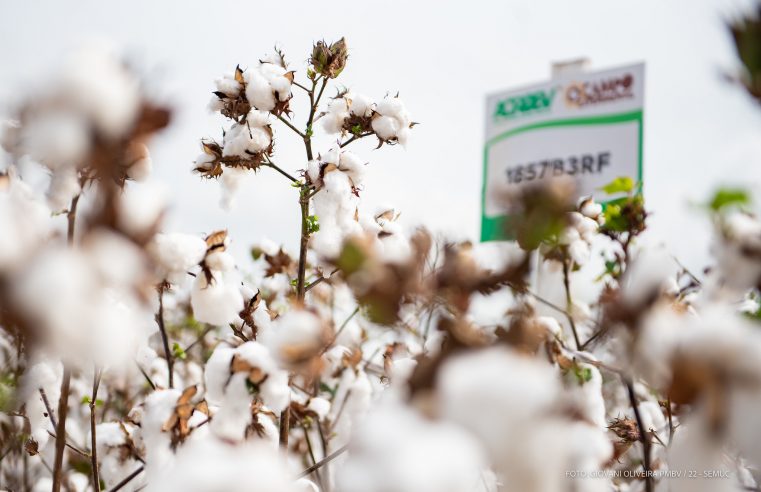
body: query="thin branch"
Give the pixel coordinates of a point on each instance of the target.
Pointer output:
(324, 461)
(285, 417)
(642, 435)
(164, 337)
(48, 408)
(569, 301)
(291, 126)
(93, 443)
(354, 138)
(300, 86)
(338, 332)
(320, 280)
(311, 455)
(147, 377)
(127, 480)
(60, 440)
(71, 217)
(271, 164)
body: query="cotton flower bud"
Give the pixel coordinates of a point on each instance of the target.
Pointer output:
(329, 61)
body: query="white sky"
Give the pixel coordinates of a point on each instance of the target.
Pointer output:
(443, 57)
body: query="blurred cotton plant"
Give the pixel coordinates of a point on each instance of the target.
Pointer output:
(374, 358)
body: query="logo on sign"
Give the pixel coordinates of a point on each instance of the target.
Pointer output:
(579, 94)
(524, 104)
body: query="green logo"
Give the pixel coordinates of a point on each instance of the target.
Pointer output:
(524, 104)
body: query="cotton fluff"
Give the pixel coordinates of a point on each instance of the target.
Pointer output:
(230, 392)
(251, 137)
(504, 398)
(735, 249)
(56, 139)
(578, 237)
(24, 220)
(43, 375)
(391, 121)
(295, 335)
(176, 254)
(113, 465)
(341, 108)
(85, 303)
(104, 90)
(267, 85)
(211, 464)
(217, 300)
(64, 186)
(396, 449)
(338, 175)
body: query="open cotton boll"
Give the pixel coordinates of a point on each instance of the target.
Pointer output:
(103, 88)
(352, 165)
(141, 207)
(361, 105)
(228, 85)
(391, 121)
(243, 139)
(217, 302)
(176, 254)
(294, 335)
(25, 222)
(211, 465)
(258, 91)
(44, 375)
(479, 391)
(335, 116)
(55, 139)
(396, 449)
(736, 271)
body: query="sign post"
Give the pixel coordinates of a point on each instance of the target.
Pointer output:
(587, 125)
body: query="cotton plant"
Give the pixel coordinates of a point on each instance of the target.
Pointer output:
(372, 358)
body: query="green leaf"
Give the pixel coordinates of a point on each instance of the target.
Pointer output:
(729, 197)
(312, 224)
(327, 389)
(622, 184)
(178, 352)
(583, 374)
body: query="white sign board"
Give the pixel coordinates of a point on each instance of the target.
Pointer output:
(587, 125)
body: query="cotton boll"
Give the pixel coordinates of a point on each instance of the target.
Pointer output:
(103, 88)
(141, 208)
(44, 375)
(352, 165)
(361, 105)
(396, 449)
(211, 464)
(64, 186)
(591, 209)
(158, 407)
(228, 85)
(234, 414)
(386, 127)
(334, 118)
(320, 406)
(295, 335)
(258, 91)
(220, 261)
(479, 391)
(242, 140)
(176, 254)
(25, 222)
(217, 373)
(217, 302)
(56, 139)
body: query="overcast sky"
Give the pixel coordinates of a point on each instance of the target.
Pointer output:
(443, 58)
